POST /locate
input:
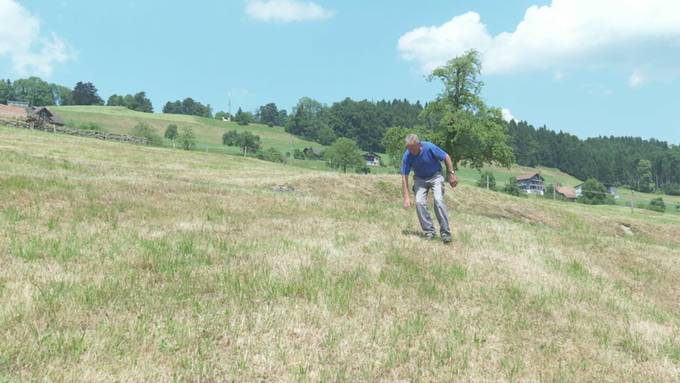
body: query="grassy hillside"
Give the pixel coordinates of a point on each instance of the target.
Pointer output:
(128, 263)
(208, 131)
(209, 135)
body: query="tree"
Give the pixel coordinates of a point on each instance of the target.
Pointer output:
(512, 187)
(325, 135)
(344, 154)
(268, 114)
(394, 144)
(243, 118)
(85, 94)
(33, 90)
(187, 139)
(594, 193)
(644, 176)
(171, 133)
(189, 107)
(6, 91)
(487, 179)
(472, 133)
(246, 141)
(144, 130)
(61, 94)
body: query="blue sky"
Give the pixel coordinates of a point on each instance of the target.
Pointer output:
(586, 67)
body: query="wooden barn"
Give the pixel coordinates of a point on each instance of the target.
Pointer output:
(531, 183)
(566, 192)
(43, 115)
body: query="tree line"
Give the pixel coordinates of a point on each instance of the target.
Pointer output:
(644, 165)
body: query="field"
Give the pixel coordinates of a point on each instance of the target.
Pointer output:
(128, 263)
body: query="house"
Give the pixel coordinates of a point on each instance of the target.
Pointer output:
(43, 115)
(531, 183)
(313, 153)
(566, 192)
(372, 159)
(12, 111)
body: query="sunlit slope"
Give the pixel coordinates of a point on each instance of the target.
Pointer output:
(129, 263)
(208, 131)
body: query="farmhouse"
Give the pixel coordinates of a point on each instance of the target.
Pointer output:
(531, 183)
(566, 192)
(372, 159)
(313, 153)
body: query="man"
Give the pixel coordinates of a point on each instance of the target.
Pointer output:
(425, 160)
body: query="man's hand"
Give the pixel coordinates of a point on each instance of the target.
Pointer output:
(407, 203)
(453, 180)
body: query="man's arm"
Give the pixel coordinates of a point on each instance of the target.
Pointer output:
(404, 190)
(453, 179)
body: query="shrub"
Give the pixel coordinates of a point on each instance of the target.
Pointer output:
(243, 140)
(657, 204)
(145, 130)
(595, 193)
(484, 177)
(363, 169)
(344, 154)
(271, 155)
(512, 187)
(187, 139)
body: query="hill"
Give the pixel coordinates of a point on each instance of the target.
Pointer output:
(209, 135)
(128, 263)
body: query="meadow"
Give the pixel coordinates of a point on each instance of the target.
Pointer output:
(130, 263)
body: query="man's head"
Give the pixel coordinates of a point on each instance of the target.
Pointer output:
(413, 144)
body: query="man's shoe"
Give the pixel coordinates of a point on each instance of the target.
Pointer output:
(429, 236)
(446, 238)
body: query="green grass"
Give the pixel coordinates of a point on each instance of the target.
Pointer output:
(128, 263)
(208, 131)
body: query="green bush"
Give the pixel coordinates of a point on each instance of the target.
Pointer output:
(512, 187)
(271, 155)
(595, 193)
(483, 179)
(145, 130)
(187, 139)
(363, 169)
(657, 204)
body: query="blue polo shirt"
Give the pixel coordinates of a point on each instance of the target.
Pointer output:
(427, 163)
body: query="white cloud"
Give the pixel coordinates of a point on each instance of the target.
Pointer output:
(564, 34)
(22, 42)
(286, 10)
(507, 115)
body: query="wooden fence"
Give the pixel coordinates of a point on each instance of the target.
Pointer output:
(73, 131)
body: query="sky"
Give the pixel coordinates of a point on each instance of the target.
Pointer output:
(587, 67)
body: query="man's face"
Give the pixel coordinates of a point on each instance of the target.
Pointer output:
(414, 148)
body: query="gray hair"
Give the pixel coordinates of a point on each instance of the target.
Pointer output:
(412, 139)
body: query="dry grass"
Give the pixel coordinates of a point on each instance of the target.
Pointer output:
(123, 263)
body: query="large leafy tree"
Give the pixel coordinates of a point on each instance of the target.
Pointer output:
(269, 114)
(344, 154)
(472, 133)
(85, 93)
(6, 91)
(33, 90)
